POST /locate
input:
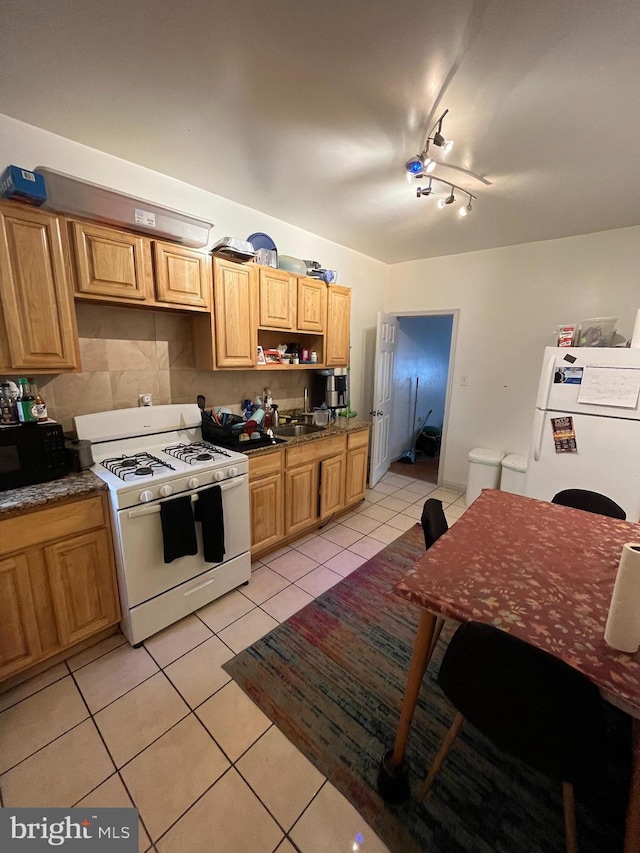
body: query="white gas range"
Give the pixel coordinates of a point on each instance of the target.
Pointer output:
(157, 469)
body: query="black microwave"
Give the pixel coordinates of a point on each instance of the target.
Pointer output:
(31, 453)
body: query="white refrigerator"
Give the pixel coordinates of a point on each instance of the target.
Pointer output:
(586, 426)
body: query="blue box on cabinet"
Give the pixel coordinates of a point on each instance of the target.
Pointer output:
(22, 185)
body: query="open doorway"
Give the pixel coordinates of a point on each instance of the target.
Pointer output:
(423, 361)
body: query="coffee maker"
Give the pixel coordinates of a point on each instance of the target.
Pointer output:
(331, 388)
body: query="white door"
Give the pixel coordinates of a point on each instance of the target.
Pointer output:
(607, 459)
(386, 341)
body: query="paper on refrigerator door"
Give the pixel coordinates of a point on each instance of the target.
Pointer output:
(610, 386)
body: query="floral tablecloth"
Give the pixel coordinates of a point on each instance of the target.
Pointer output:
(541, 571)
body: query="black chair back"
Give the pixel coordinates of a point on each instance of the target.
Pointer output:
(528, 702)
(433, 520)
(589, 502)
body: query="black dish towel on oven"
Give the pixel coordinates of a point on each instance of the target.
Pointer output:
(209, 513)
(178, 529)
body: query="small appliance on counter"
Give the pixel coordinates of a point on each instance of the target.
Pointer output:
(30, 454)
(330, 387)
(79, 455)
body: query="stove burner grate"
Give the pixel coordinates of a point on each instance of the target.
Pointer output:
(134, 465)
(198, 451)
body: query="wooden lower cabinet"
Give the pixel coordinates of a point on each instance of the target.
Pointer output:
(331, 486)
(57, 581)
(301, 503)
(295, 489)
(265, 501)
(357, 465)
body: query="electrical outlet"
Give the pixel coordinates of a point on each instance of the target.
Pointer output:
(145, 400)
(464, 378)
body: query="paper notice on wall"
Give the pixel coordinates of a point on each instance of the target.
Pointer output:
(145, 217)
(610, 386)
(564, 435)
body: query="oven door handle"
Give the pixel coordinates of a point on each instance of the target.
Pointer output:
(151, 510)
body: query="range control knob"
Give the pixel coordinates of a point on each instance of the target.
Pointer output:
(193, 483)
(146, 496)
(165, 491)
(232, 472)
(218, 475)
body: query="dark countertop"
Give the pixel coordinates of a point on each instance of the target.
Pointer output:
(334, 428)
(15, 501)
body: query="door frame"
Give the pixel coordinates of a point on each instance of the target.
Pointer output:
(440, 312)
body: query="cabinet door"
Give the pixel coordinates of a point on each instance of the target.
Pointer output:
(267, 522)
(278, 297)
(235, 299)
(301, 497)
(111, 263)
(331, 486)
(83, 587)
(182, 276)
(35, 292)
(312, 305)
(356, 479)
(338, 326)
(19, 642)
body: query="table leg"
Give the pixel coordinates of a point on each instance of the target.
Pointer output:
(393, 783)
(632, 830)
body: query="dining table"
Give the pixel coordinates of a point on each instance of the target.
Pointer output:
(542, 572)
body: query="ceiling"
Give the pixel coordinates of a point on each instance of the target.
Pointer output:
(307, 111)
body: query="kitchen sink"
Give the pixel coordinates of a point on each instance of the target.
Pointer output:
(296, 430)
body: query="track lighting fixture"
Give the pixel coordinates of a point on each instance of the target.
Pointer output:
(421, 163)
(426, 190)
(443, 202)
(465, 211)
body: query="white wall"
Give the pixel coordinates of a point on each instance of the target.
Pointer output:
(510, 302)
(29, 147)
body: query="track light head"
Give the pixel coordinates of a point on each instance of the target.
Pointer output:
(438, 139)
(450, 199)
(424, 190)
(415, 166)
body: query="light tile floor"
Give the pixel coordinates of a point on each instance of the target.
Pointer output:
(165, 728)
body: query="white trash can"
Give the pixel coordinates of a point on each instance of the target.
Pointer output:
(484, 472)
(514, 470)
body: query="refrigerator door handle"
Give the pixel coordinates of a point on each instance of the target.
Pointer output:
(538, 429)
(546, 381)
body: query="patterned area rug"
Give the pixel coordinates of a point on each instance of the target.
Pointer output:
(332, 679)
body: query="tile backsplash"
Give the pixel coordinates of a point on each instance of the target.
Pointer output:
(126, 352)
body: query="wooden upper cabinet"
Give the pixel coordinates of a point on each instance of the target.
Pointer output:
(338, 326)
(111, 263)
(36, 308)
(182, 276)
(278, 297)
(312, 305)
(235, 303)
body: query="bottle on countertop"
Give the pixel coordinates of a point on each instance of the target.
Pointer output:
(39, 405)
(247, 410)
(8, 405)
(26, 403)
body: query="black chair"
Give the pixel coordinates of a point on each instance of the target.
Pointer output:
(434, 524)
(529, 703)
(589, 502)
(433, 520)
